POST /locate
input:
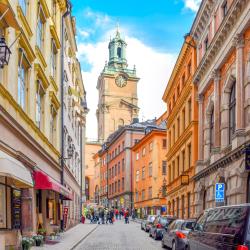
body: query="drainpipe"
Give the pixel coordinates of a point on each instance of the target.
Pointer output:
(62, 98)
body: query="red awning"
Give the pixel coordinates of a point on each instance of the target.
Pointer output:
(45, 182)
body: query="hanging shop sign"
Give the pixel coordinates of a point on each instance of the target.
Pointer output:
(3, 206)
(16, 209)
(184, 179)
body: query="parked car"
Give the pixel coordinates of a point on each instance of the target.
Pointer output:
(224, 227)
(150, 219)
(175, 236)
(160, 222)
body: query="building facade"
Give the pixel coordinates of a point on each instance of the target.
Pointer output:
(182, 133)
(149, 172)
(117, 165)
(117, 87)
(221, 31)
(32, 190)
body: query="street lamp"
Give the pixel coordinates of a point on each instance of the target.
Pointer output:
(4, 53)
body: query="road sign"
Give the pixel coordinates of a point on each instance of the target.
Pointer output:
(219, 192)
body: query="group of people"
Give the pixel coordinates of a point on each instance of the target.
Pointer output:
(108, 216)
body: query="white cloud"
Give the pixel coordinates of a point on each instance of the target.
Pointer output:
(84, 33)
(99, 19)
(192, 4)
(153, 69)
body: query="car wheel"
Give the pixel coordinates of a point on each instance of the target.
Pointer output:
(173, 246)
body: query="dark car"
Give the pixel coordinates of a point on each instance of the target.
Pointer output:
(175, 236)
(149, 221)
(160, 224)
(224, 227)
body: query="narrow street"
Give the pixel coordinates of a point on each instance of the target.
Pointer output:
(119, 237)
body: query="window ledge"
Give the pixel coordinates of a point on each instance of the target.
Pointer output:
(24, 21)
(40, 56)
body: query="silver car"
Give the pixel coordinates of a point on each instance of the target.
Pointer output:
(145, 223)
(175, 236)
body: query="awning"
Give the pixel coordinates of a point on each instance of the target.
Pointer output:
(7, 14)
(45, 182)
(14, 169)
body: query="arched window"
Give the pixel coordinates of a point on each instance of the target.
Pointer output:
(119, 52)
(212, 130)
(232, 118)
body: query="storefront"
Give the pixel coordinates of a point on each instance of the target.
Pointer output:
(49, 202)
(15, 180)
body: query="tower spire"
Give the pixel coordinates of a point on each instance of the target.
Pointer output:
(117, 29)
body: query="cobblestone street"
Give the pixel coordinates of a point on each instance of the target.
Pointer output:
(119, 237)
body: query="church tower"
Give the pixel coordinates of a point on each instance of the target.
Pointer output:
(117, 87)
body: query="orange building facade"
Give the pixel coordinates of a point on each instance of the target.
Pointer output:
(149, 172)
(182, 133)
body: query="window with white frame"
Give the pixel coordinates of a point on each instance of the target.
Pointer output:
(137, 156)
(143, 151)
(137, 177)
(24, 6)
(23, 66)
(40, 27)
(53, 57)
(39, 104)
(53, 116)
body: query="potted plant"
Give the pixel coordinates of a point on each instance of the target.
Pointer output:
(27, 242)
(38, 240)
(41, 231)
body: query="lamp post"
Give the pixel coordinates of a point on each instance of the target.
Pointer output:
(4, 53)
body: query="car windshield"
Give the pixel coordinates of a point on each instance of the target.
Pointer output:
(164, 221)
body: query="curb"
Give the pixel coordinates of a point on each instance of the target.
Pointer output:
(83, 238)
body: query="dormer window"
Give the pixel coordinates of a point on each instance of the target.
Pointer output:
(119, 52)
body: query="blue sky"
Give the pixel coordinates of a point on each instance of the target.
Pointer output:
(153, 30)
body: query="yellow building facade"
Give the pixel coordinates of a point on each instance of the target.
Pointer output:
(182, 130)
(32, 186)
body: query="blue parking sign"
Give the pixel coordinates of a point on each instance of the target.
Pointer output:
(219, 192)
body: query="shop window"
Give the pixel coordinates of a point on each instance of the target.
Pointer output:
(232, 114)
(51, 210)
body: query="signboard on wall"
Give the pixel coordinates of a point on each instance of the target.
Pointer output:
(16, 209)
(2, 206)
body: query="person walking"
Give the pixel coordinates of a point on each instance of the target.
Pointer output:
(111, 216)
(126, 216)
(116, 213)
(102, 215)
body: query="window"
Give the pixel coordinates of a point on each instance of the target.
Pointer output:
(143, 151)
(199, 225)
(53, 115)
(183, 119)
(164, 167)
(212, 130)
(189, 156)
(150, 169)
(183, 161)
(164, 143)
(189, 69)
(123, 145)
(188, 204)
(150, 192)
(109, 173)
(137, 177)
(169, 174)
(119, 52)
(39, 104)
(53, 55)
(123, 165)
(178, 90)
(206, 43)
(123, 183)
(178, 166)
(119, 185)
(24, 6)
(40, 28)
(143, 194)
(115, 170)
(173, 133)
(119, 149)
(119, 168)
(183, 80)
(112, 172)
(115, 187)
(178, 127)
(178, 207)
(136, 141)
(136, 196)
(23, 66)
(189, 110)
(232, 106)
(137, 156)
(54, 10)
(116, 152)
(143, 173)
(173, 170)
(224, 9)
(182, 206)
(150, 146)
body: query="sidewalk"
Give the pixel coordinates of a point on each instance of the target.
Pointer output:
(70, 238)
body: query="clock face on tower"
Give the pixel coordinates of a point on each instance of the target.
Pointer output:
(120, 81)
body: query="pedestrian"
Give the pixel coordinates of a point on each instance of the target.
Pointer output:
(102, 216)
(111, 216)
(126, 216)
(116, 213)
(120, 214)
